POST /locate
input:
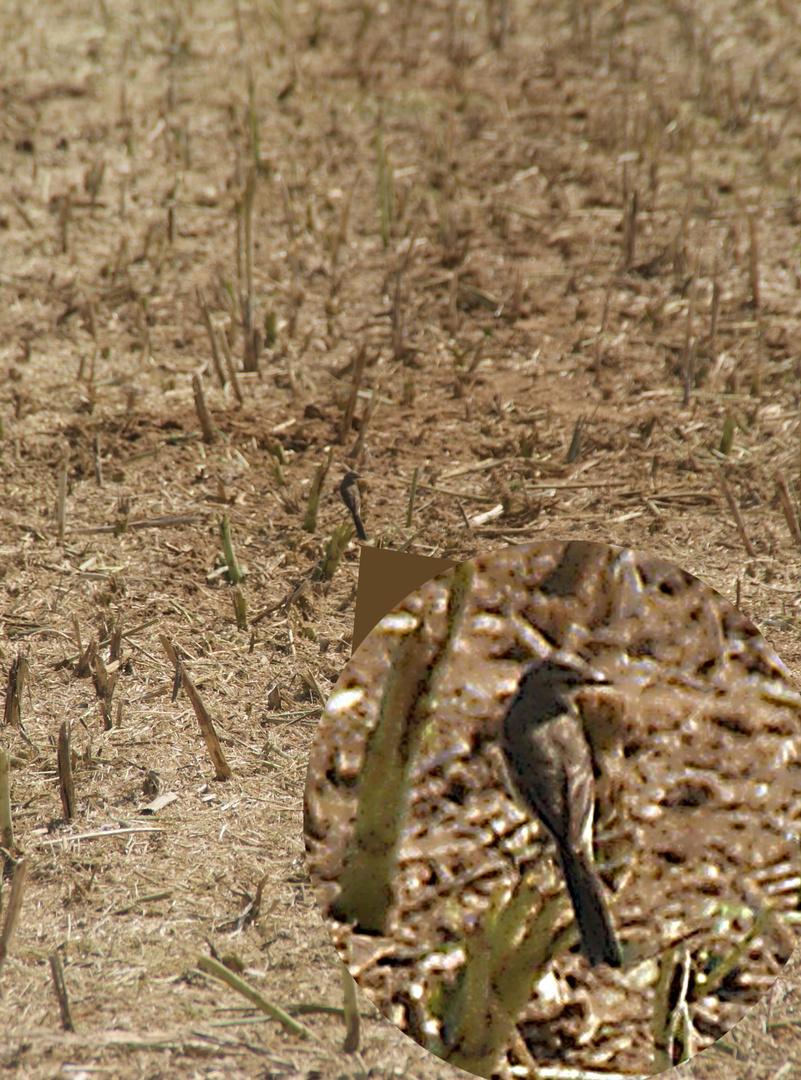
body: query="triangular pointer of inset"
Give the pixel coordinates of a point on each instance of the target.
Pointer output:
(385, 578)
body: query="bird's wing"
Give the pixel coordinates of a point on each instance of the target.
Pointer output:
(553, 772)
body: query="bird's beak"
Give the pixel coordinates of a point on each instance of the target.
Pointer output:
(597, 677)
(588, 674)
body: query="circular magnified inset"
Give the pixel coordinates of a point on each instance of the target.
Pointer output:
(552, 812)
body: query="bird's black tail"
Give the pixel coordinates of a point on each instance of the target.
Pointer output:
(357, 521)
(598, 938)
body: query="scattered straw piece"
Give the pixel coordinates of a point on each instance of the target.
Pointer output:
(65, 784)
(221, 766)
(57, 971)
(13, 908)
(787, 508)
(738, 518)
(221, 972)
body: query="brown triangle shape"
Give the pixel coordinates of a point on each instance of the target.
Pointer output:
(385, 578)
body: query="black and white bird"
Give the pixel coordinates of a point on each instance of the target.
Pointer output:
(549, 763)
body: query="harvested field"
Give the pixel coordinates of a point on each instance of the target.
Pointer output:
(550, 253)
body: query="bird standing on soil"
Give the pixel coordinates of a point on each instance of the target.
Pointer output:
(549, 763)
(349, 490)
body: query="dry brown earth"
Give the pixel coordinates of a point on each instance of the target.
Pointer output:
(591, 254)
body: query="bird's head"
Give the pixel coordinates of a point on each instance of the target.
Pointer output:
(566, 669)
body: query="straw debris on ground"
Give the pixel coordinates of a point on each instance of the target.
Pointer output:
(518, 222)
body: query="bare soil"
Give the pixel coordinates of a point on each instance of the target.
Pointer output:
(579, 314)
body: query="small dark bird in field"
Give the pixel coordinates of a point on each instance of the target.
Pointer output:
(549, 763)
(349, 490)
